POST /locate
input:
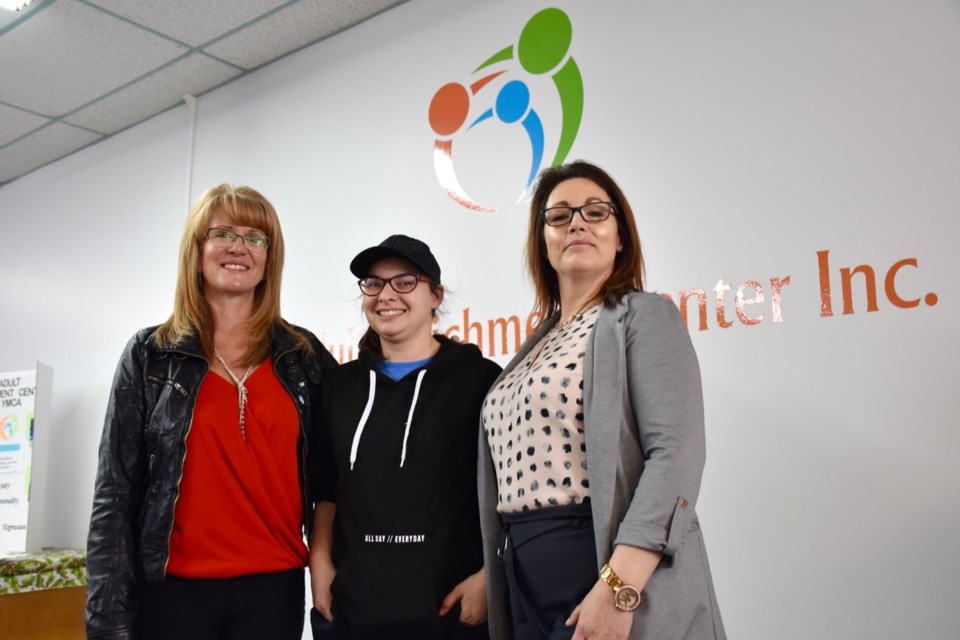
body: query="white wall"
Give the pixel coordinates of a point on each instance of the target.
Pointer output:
(748, 135)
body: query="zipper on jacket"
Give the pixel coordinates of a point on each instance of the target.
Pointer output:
(183, 462)
(303, 452)
(172, 383)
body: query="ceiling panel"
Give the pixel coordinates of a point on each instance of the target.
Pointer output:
(189, 21)
(192, 75)
(90, 67)
(292, 28)
(17, 122)
(76, 55)
(43, 146)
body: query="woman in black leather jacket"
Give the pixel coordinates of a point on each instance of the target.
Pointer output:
(209, 545)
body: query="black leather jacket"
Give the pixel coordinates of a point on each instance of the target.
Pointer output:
(141, 462)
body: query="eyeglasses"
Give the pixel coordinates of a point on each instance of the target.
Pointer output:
(401, 283)
(224, 238)
(590, 212)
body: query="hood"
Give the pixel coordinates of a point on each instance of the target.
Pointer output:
(450, 354)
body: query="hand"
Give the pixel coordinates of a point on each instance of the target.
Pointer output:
(597, 618)
(321, 576)
(472, 596)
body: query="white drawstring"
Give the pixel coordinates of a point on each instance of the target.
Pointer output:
(413, 404)
(363, 419)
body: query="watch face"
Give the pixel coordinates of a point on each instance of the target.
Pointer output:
(627, 598)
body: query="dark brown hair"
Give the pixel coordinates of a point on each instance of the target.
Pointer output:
(627, 272)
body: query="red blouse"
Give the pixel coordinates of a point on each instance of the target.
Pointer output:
(240, 506)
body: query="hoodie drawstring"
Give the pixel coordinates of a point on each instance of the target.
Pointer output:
(366, 415)
(363, 419)
(413, 404)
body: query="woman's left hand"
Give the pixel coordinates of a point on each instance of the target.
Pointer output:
(472, 596)
(597, 618)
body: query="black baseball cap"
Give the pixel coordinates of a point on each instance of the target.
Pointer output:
(397, 246)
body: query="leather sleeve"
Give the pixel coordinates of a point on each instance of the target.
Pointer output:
(111, 544)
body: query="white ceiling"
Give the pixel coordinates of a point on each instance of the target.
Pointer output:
(73, 72)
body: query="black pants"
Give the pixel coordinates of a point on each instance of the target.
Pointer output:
(550, 559)
(253, 607)
(323, 629)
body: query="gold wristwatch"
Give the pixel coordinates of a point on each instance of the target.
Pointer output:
(626, 597)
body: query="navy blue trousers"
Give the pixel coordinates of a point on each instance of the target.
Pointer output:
(550, 559)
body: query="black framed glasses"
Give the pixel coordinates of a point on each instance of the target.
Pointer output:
(224, 238)
(590, 212)
(401, 283)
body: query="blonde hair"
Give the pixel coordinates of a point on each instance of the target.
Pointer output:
(191, 316)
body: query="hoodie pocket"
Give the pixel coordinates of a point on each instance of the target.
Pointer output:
(383, 594)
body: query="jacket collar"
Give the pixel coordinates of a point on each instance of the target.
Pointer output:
(189, 345)
(281, 341)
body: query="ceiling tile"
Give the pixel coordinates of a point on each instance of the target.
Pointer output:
(46, 145)
(101, 66)
(16, 122)
(193, 75)
(292, 28)
(77, 53)
(189, 21)
(7, 17)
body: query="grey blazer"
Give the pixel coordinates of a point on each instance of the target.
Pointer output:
(643, 418)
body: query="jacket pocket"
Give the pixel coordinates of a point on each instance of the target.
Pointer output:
(179, 388)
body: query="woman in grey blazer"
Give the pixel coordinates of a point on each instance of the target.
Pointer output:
(593, 441)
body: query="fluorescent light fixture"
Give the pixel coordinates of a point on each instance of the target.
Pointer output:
(14, 5)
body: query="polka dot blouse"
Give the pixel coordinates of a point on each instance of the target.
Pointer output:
(533, 420)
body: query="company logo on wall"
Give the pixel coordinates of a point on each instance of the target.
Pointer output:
(8, 427)
(543, 49)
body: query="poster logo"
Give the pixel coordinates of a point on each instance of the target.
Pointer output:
(8, 427)
(543, 49)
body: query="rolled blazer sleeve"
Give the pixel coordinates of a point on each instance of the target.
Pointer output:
(666, 407)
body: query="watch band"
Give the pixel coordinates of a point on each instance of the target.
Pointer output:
(626, 597)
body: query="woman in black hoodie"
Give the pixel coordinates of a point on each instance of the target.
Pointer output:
(396, 550)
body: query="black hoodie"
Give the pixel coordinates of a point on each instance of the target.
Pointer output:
(399, 459)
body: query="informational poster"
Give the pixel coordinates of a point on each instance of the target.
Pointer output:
(17, 401)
